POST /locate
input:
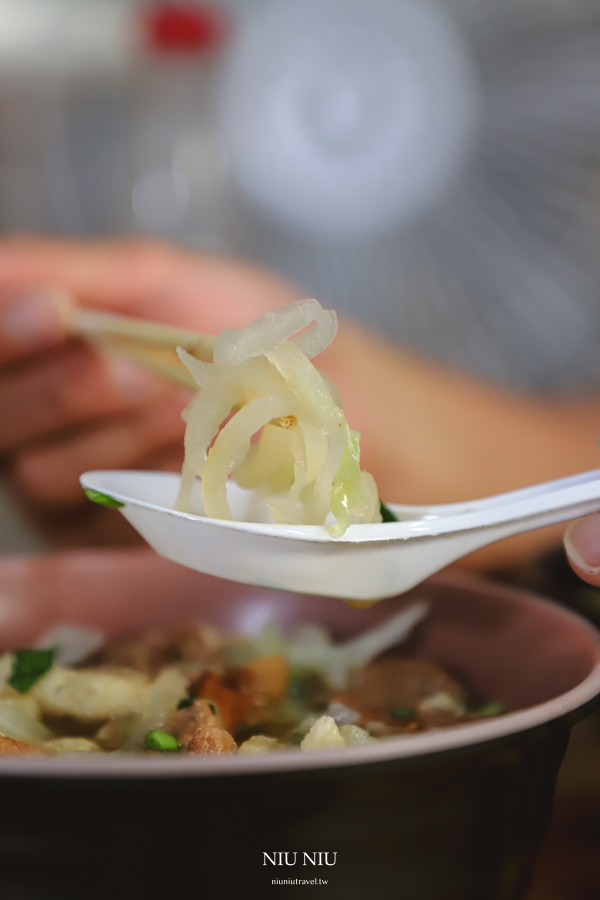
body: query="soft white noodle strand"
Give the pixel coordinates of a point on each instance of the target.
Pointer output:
(233, 438)
(306, 458)
(233, 346)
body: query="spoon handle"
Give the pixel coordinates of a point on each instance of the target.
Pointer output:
(461, 528)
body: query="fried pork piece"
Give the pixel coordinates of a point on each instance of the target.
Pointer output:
(245, 695)
(198, 730)
(8, 747)
(154, 649)
(429, 697)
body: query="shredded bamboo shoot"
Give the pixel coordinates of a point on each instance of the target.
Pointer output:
(264, 415)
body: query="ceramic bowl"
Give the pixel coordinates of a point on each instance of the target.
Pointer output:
(453, 814)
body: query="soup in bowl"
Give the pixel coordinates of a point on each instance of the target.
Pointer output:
(442, 812)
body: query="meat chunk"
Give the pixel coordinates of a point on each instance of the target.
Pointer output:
(8, 747)
(153, 649)
(389, 683)
(186, 722)
(399, 696)
(198, 730)
(210, 740)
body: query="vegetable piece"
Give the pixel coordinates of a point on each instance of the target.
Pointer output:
(72, 644)
(223, 689)
(386, 514)
(91, 695)
(264, 377)
(310, 647)
(443, 700)
(102, 499)
(21, 724)
(159, 740)
(115, 732)
(28, 666)
(324, 735)
(440, 710)
(491, 709)
(246, 695)
(259, 743)
(161, 700)
(348, 489)
(71, 745)
(401, 712)
(354, 736)
(187, 701)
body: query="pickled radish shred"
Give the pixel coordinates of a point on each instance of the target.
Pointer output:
(306, 460)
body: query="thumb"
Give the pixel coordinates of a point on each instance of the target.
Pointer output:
(582, 543)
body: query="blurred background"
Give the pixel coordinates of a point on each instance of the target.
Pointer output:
(430, 166)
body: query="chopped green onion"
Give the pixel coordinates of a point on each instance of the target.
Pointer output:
(386, 514)
(401, 712)
(187, 701)
(158, 740)
(102, 499)
(491, 709)
(28, 666)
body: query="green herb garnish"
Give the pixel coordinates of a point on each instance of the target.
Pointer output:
(159, 740)
(102, 499)
(187, 701)
(401, 712)
(491, 709)
(386, 514)
(28, 666)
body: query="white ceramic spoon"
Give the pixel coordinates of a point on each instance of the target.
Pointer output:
(368, 563)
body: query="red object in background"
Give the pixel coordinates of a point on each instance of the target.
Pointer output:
(184, 27)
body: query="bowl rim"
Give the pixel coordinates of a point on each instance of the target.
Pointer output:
(109, 766)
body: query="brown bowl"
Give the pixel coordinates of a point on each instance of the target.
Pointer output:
(453, 814)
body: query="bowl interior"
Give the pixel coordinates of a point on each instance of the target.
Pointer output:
(505, 645)
(536, 658)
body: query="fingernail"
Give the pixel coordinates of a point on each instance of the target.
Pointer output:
(582, 543)
(36, 317)
(133, 382)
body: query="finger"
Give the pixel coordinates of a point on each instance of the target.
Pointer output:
(31, 321)
(68, 388)
(582, 543)
(51, 474)
(114, 591)
(146, 278)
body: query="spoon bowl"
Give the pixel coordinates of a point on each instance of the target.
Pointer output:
(368, 563)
